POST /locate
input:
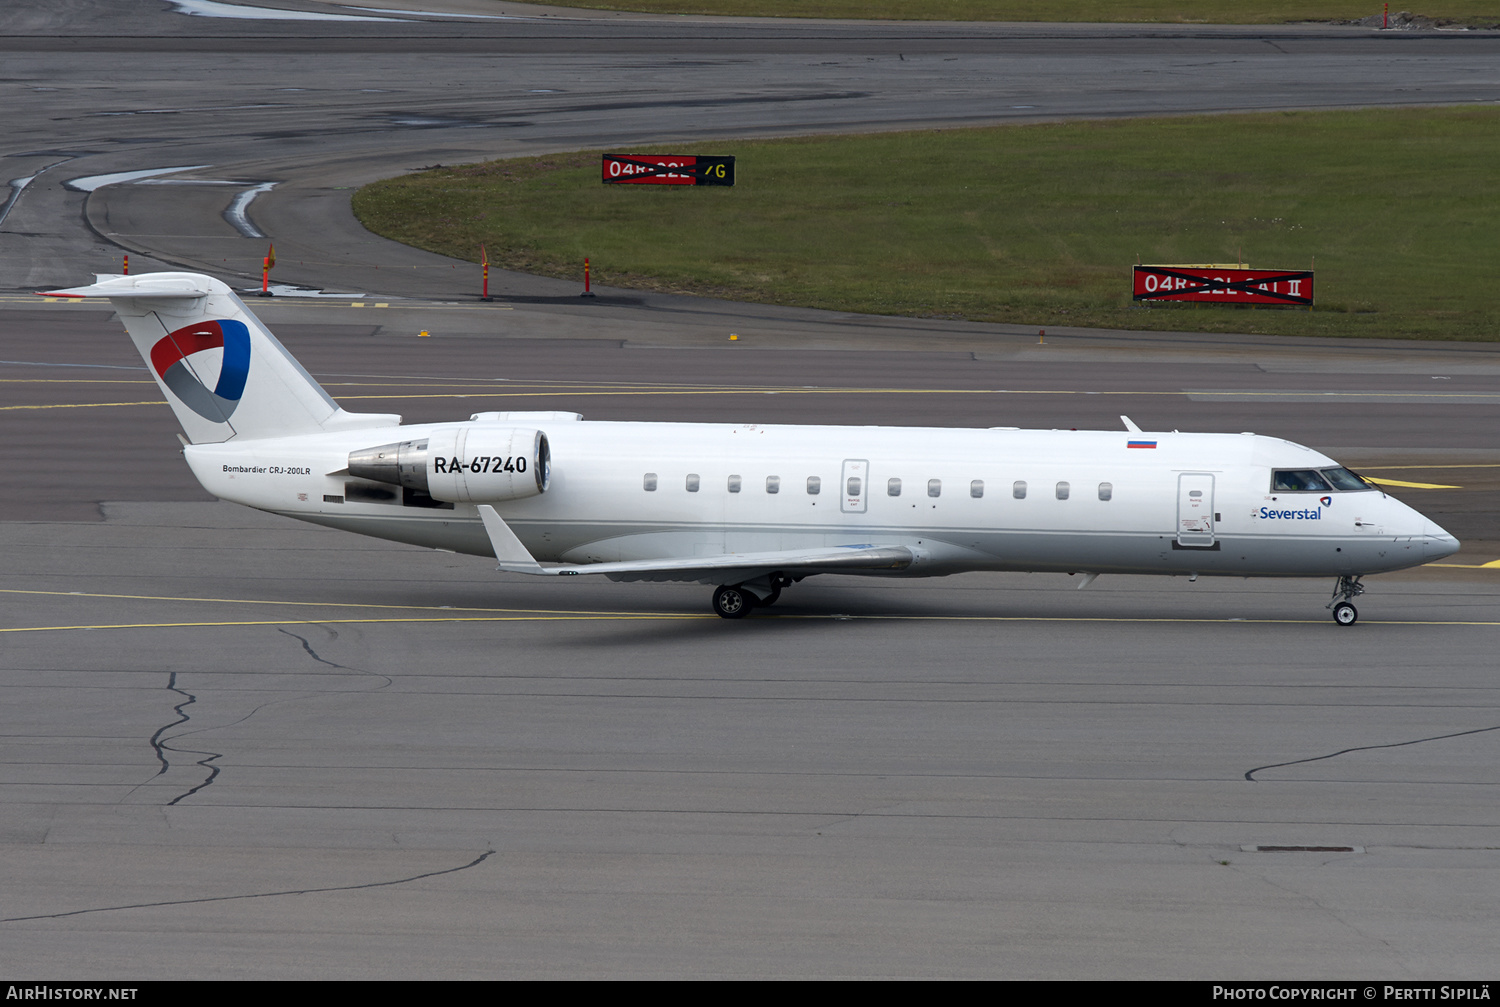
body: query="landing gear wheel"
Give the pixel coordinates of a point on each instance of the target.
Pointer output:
(1347, 588)
(773, 597)
(733, 602)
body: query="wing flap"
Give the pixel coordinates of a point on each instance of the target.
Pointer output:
(515, 558)
(749, 565)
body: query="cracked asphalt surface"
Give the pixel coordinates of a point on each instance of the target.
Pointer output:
(231, 745)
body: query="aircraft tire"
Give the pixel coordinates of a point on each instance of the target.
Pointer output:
(1345, 614)
(732, 602)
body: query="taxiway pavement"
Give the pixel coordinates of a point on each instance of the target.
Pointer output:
(238, 746)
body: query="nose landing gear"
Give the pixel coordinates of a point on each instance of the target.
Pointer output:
(1344, 613)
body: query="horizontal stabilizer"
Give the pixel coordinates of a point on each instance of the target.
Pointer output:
(153, 285)
(515, 558)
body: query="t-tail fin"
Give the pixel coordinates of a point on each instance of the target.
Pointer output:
(224, 374)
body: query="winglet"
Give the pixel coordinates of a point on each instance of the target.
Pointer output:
(1130, 425)
(513, 556)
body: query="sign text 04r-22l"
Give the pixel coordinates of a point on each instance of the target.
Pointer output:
(667, 169)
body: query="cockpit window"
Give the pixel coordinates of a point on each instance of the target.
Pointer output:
(1343, 479)
(1299, 480)
(1317, 481)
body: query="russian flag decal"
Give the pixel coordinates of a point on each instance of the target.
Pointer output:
(1140, 444)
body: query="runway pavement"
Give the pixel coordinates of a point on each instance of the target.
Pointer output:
(235, 746)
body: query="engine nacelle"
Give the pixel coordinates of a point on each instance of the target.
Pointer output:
(463, 464)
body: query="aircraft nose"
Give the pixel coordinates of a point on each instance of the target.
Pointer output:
(1426, 534)
(1436, 542)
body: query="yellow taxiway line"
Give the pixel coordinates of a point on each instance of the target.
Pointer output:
(485, 615)
(284, 300)
(678, 617)
(457, 613)
(1410, 486)
(538, 617)
(1392, 468)
(88, 405)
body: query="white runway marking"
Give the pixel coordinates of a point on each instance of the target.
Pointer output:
(211, 8)
(91, 182)
(441, 13)
(236, 212)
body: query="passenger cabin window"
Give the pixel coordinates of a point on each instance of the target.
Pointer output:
(934, 487)
(1062, 491)
(1106, 491)
(692, 482)
(1299, 481)
(814, 486)
(648, 482)
(773, 484)
(976, 488)
(734, 484)
(893, 488)
(853, 486)
(1019, 489)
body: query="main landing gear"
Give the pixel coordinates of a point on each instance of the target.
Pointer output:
(1344, 613)
(734, 601)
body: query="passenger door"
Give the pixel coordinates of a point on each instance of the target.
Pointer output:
(1195, 510)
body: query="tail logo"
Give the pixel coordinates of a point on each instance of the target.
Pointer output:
(169, 358)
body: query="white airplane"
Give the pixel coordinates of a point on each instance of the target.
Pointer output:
(743, 506)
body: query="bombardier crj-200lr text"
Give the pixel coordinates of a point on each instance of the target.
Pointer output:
(748, 507)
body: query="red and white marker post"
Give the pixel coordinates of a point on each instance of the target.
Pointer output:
(265, 270)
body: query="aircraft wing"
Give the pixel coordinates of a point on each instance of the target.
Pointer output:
(515, 558)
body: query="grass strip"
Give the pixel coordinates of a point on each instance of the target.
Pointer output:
(1464, 12)
(1034, 224)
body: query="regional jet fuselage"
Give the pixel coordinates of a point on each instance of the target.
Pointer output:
(751, 507)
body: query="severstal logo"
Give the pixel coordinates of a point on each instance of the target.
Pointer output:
(172, 359)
